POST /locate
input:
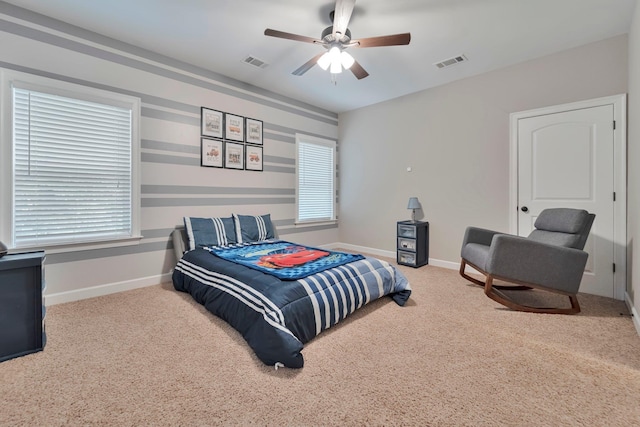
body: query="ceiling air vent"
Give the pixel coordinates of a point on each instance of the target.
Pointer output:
(252, 60)
(451, 61)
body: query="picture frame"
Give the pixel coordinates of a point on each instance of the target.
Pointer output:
(211, 153)
(233, 127)
(233, 155)
(253, 130)
(253, 158)
(211, 123)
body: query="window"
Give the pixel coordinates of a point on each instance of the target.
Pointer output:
(74, 170)
(315, 176)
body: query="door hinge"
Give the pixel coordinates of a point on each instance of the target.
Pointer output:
(614, 196)
(614, 125)
(614, 267)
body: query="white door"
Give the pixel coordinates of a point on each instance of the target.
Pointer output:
(566, 159)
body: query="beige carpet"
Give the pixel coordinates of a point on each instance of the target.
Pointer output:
(451, 357)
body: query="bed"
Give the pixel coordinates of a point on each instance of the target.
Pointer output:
(275, 315)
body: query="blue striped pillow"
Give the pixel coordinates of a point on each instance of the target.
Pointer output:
(209, 232)
(253, 228)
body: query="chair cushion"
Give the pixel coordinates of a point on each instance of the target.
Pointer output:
(476, 254)
(564, 220)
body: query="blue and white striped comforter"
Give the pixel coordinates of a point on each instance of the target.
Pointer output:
(277, 317)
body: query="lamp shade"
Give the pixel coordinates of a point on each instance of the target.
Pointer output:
(346, 59)
(335, 68)
(414, 203)
(324, 61)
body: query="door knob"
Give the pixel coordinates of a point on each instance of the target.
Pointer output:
(524, 209)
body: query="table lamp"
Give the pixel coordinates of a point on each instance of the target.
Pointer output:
(413, 205)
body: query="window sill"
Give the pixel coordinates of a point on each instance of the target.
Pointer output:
(80, 246)
(323, 222)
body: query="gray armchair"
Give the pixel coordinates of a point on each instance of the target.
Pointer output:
(551, 258)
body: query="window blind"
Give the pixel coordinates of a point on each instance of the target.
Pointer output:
(316, 172)
(72, 170)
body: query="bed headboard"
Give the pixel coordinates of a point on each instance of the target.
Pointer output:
(179, 238)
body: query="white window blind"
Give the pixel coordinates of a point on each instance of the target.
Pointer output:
(72, 170)
(315, 173)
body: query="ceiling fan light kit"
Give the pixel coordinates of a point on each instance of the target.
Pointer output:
(335, 59)
(336, 39)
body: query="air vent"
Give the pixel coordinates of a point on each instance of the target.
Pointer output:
(451, 61)
(252, 60)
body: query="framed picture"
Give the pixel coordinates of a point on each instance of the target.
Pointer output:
(233, 155)
(254, 131)
(234, 127)
(211, 153)
(212, 123)
(253, 158)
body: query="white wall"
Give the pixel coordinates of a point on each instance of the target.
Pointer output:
(173, 183)
(633, 138)
(456, 140)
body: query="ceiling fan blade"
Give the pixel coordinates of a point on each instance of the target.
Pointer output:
(307, 65)
(289, 36)
(358, 71)
(341, 16)
(392, 40)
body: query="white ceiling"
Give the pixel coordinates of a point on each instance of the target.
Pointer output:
(218, 34)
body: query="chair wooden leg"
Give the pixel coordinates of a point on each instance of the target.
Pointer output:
(501, 298)
(574, 304)
(463, 264)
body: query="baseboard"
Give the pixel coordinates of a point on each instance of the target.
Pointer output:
(356, 248)
(112, 288)
(633, 311)
(109, 288)
(390, 254)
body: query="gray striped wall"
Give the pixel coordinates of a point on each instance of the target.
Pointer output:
(173, 184)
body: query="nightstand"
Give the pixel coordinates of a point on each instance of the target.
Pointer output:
(412, 243)
(21, 307)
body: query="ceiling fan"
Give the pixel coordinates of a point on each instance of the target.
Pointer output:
(336, 39)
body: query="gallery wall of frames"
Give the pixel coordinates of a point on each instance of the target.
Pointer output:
(230, 141)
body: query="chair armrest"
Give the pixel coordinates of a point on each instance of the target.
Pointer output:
(478, 235)
(524, 260)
